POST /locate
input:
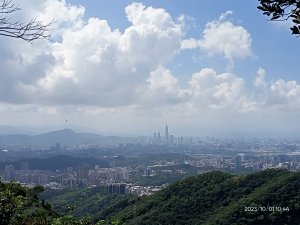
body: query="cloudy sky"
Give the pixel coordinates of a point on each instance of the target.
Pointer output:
(204, 67)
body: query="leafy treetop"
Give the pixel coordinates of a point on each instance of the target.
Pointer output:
(283, 10)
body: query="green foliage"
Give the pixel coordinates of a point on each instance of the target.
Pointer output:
(219, 198)
(93, 202)
(21, 206)
(69, 220)
(211, 198)
(282, 10)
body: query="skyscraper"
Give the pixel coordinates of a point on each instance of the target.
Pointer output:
(171, 141)
(158, 137)
(167, 134)
(9, 173)
(238, 160)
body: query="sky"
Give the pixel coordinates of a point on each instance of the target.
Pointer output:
(204, 67)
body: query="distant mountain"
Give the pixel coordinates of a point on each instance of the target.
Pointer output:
(64, 137)
(269, 197)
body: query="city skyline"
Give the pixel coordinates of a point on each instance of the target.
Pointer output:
(208, 68)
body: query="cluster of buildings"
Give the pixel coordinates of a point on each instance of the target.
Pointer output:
(26, 176)
(245, 162)
(84, 176)
(118, 180)
(230, 155)
(168, 139)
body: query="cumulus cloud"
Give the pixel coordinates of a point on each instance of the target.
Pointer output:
(285, 92)
(162, 88)
(219, 90)
(222, 37)
(22, 66)
(89, 63)
(90, 69)
(107, 67)
(190, 43)
(260, 81)
(276, 93)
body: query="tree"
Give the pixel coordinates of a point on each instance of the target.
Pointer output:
(283, 10)
(28, 31)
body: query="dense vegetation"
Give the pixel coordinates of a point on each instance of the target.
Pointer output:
(21, 206)
(92, 203)
(219, 198)
(266, 197)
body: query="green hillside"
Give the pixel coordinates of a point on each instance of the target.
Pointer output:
(21, 206)
(219, 198)
(93, 203)
(267, 197)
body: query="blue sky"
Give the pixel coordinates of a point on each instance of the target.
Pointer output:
(272, 42)
(204, 67)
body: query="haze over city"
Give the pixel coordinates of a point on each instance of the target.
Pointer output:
(203, 67)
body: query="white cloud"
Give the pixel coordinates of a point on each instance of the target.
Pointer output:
(154, 36)
(92, 70)
(285, 92)
(219, 91)
(260, 79)
(107, 67)
(276, 93)
(225, 15)
(90, 63)
(162, 88)
(190, 43)
(222, 37)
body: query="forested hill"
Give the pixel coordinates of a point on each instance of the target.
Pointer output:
(267, 197)
(20, 206)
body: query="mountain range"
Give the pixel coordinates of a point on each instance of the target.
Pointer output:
(64, 137)
(215, 198)
(268, 197)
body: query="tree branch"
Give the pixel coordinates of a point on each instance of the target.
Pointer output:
(29, 31)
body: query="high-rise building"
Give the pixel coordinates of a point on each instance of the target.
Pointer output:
(238, 160)
(158, 137)
(9, 173)
(116, 188)
(155, 138)
(171, 139)
(167, 134)
(82, 172)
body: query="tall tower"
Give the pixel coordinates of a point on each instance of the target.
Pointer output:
(9, 173)
(158, 137)
(167, 134)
